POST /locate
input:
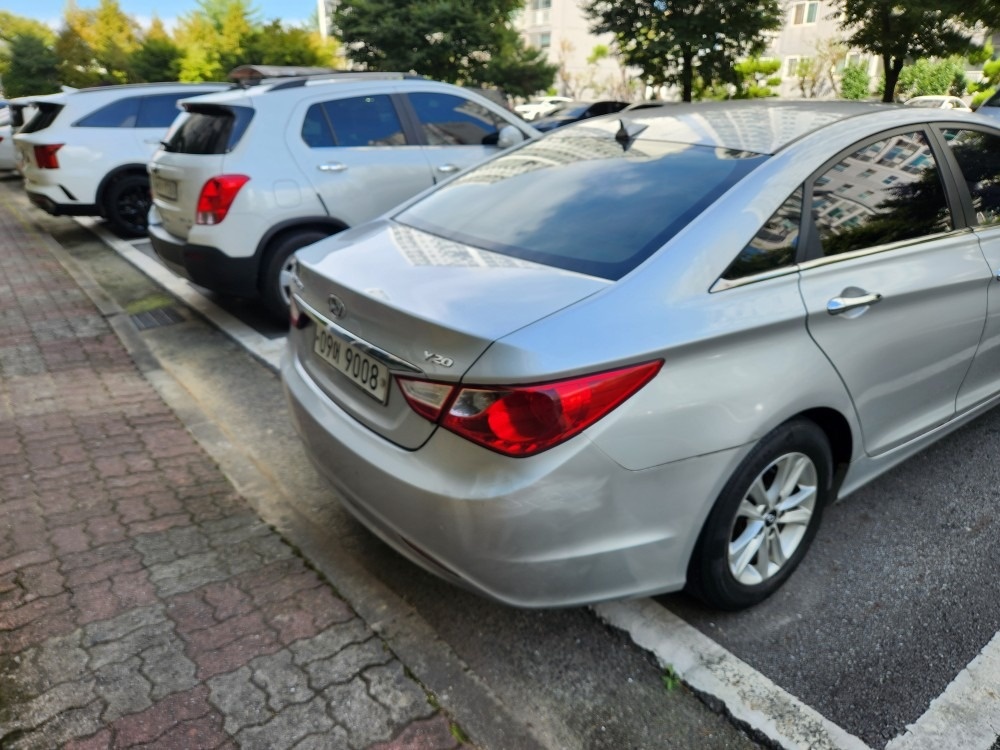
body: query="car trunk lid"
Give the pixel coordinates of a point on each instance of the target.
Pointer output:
(406, 300)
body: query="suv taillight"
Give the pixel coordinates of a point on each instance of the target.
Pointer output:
(217, 196)
(524, 420)
(45, 156)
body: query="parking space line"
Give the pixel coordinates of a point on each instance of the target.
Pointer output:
(709, 669)
(966, 714)
(267, 350)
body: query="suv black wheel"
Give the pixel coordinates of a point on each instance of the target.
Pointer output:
(274, 282)
(126, 204)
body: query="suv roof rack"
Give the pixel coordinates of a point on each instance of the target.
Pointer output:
(277, 84)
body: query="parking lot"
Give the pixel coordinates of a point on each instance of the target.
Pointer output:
(897, 597)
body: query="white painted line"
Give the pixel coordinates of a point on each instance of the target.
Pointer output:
(966, 714)
(708, 668)
(267, 350)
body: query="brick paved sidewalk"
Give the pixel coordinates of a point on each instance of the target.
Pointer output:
(142, 602)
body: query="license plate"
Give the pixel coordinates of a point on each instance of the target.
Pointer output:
(369, 375)
(165, 188)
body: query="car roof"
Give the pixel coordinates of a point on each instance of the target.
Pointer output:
(759, 126)
(140, 87)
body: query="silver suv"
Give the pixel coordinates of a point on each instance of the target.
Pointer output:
(247, 177)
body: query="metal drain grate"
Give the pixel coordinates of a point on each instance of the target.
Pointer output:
(161, 316)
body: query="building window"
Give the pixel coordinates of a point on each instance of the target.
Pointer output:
(804, 13)
(542, 41)
(541, 10)
(791, 67)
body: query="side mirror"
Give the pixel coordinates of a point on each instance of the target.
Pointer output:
(509, 136)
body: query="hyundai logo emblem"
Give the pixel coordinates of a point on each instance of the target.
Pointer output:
(336, 306)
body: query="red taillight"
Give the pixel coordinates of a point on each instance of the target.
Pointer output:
(524, 420)
(296, 318)
(45, 156)
(217, 196)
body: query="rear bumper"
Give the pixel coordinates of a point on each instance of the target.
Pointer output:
(47, 204)
(567, 527)
(205, 266)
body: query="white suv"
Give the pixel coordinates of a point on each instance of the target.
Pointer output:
(84, 152)
(991, 107)
(247, 177)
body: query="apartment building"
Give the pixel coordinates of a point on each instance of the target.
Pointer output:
(810, 32)
(562, 30)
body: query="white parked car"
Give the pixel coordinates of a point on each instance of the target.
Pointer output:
(7, 161)
(541, 107)
(84, 152)
(247, 177)
(991, 107)
(938, 102)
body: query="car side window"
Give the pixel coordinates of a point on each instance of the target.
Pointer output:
(159, 111)
(448, 120)
(316, 130)
(887, 191)
(774, 245)
(978, 156)
(119, 114)
(364, 121)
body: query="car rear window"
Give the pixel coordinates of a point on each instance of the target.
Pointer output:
(581, 200)
(208, 129)
(993, 101)
(43, 117)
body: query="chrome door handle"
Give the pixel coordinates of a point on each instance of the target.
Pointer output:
(839, 305)
(448, 168)
(333, 166)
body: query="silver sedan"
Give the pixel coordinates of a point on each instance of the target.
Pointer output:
(644, 352)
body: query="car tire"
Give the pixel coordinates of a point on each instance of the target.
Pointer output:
(126, 204)
(274, 289)
(765, 518)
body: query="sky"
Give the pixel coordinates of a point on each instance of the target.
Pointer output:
(50, 11)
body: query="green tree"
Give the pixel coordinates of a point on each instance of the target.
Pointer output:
(274, 44)
(926, 77)
(215, 38)
(898, 32)
(460, 41)
(31, 66)
(756, 79)
(77, 62)
(675, 43)
(157, 58)
(12, 25)
(95, 44)
(855, 82)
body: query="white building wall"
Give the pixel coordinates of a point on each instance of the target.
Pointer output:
(561, 28)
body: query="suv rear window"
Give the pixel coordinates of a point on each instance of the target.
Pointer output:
(208, 129)
(45, 116)
(580, 200)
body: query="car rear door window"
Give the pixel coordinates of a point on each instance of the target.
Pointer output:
(978, 156)
(357, 121)
(448, 120)
(774, 246)
(159, 111)
(118, 114)
(854, 212)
